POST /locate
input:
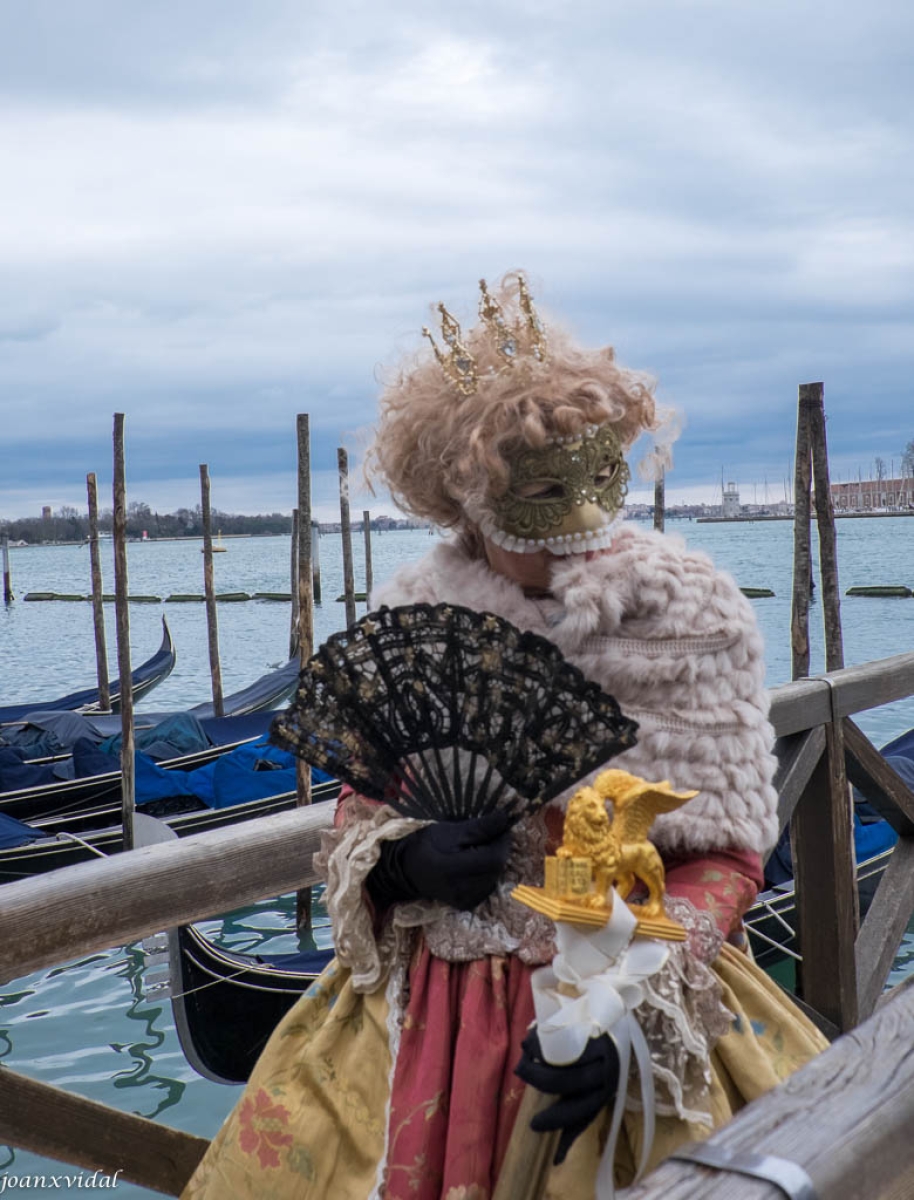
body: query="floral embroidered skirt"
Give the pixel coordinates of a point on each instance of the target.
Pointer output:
(350, 1101)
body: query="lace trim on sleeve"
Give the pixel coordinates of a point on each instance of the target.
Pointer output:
(497, 926)
(346, 857)
(682, 1016)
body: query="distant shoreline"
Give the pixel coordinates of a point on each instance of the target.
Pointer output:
(839, 516)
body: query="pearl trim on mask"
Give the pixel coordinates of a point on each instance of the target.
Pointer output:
(588, 431)
(558, 544)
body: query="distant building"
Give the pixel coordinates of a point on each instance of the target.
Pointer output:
(868, 494)
(730, 506)
(46, 513)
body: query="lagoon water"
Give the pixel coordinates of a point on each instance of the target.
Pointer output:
(87, 1026)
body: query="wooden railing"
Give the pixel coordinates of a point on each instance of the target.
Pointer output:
(82, 909)
(820, 750)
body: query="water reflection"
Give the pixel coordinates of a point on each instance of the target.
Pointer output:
(140, 1009)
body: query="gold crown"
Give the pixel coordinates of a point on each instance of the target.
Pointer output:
(524, 337)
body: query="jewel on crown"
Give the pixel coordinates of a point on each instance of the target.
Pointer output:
(525, 337)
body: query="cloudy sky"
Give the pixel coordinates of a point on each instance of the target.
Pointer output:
(217, 214)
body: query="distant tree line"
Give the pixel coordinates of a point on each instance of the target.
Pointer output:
(67, 524)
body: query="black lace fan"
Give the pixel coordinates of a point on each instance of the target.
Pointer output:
(445, 714)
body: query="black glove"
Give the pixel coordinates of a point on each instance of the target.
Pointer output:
(584, 1088)
(457, 862)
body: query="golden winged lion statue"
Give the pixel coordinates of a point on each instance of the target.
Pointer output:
(599, 852)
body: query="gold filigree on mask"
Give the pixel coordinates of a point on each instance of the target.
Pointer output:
(548, 484)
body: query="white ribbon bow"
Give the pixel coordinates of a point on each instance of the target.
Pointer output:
(606, 970)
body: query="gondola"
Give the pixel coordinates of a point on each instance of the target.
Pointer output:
(226, 1004)
(247, 714)
(94, 800)
(57, 845)
(147, 676)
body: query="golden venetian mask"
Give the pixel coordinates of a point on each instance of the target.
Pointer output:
(562, 496)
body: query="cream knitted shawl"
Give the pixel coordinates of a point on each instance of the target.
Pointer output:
(675, 641)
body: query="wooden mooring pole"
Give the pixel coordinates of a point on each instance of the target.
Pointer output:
(7, 574)
(98, 607)
(802, 563)
(659, 501)
(212, 621)
(122, 618)
(342, 459)
(316, 562)
(293, 626)
(825, 523)
(303, 587)
(369, 577)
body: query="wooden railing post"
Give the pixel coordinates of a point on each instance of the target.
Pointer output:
(827, 911)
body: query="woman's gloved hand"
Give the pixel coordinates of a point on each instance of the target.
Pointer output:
(583, 1088)
(456, 862)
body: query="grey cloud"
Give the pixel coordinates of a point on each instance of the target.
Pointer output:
(236, 211)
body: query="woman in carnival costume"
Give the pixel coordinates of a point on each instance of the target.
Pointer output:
(394, 1076)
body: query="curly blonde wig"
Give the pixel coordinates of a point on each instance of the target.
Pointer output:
(439, 452)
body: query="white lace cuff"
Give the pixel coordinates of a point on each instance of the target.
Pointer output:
(682, 1016)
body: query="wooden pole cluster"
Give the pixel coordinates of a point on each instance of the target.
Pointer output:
(821, 833)
(98, 607)
(7, 574)
(305, 632)
(369, 576)
(342, 459)
(212, 621)
(659, 501)
(122, 616)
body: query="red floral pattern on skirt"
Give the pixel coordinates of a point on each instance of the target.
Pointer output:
(455, 1095)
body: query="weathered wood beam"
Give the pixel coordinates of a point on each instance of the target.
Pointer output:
(798, 706)
(71, 1129)
(883, 787)
(872, 684)
(797, 757)
(109, 902)
(808, 702)
(845, 1118)
(881, 932)
(823, 858)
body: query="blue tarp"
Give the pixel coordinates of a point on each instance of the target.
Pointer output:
(253, 771)
(15, 833)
